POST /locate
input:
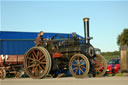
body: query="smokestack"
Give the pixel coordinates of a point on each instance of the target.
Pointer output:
(86, 30)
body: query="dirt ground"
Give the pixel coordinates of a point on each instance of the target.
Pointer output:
(123, 80)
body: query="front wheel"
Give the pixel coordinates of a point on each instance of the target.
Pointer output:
(79, 66)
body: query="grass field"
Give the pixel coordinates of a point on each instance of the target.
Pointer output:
(119, 74)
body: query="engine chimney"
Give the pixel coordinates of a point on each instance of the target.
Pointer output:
(86, 30)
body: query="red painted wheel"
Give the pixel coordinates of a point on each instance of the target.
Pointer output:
(37, 62)
(100, 65)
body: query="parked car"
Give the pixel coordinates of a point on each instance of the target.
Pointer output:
(113, 66)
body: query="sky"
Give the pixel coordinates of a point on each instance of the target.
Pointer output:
(108, 18)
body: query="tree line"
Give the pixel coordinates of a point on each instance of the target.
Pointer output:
(110, 55)
(122, 39)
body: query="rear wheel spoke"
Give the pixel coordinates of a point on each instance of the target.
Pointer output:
(31, 66)
(41, 68)
(41, 57)
(33, 70)
(42, 62)
(31, 62)
(30, 58)
(38, 52)
(35, 54)
(37, 69)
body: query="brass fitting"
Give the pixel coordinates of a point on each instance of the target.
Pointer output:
(86, 19)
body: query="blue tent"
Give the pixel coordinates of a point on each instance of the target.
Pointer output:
(17, 43)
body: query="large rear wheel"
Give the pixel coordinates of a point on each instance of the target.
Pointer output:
(79, 65)
(37, 62)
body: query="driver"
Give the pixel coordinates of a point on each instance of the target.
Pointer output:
(39, 38)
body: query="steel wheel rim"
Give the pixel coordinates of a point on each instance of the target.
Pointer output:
(79, 66)
(100, 65)
(37, 62)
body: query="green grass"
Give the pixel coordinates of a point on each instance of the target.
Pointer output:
(117, 74)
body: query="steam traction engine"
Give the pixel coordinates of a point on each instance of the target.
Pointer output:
(57, 56)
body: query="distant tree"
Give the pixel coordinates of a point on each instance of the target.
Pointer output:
(109, 55)
(123, 38)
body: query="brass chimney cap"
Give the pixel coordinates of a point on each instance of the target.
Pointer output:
(86, 19)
